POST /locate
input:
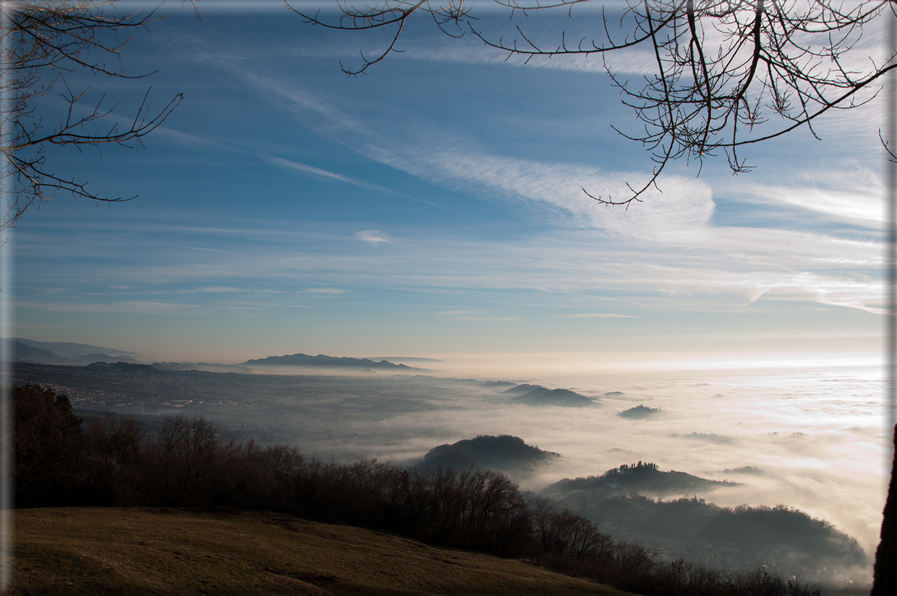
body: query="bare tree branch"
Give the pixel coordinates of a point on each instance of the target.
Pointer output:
(41, 42)
(723, 68)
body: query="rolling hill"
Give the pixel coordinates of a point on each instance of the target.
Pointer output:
(786, 540)
(504, 453)
(631, 479)
(75, 551)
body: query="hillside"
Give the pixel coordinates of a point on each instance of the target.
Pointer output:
(784, 540)
(66, 551)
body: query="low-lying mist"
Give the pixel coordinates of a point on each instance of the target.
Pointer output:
(805, 436)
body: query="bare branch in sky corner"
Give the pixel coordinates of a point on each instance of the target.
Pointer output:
(41, 42)
(727, 73)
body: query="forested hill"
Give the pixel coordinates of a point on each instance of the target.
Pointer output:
(641, 478)
(783, 539)
(780, 537)
(486, 452)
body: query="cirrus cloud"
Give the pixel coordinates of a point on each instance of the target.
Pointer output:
(374, 237)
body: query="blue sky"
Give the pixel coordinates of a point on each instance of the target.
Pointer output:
(434, 206)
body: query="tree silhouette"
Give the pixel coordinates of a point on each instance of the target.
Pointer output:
(41, 42)
(47, 439)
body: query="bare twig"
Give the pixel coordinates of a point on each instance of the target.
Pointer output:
(722, 67)
(43, 41)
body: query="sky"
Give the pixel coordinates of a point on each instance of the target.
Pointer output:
(434, 206)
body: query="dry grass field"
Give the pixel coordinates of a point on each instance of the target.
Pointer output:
(147, 551)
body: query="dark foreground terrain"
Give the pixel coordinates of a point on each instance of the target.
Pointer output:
(63, 551)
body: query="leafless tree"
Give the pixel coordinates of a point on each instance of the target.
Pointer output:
(42, 41)
(722, 68)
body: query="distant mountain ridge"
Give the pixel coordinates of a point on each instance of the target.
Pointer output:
(536, 395)
(65, 354)
(324, 361)
(26, 353)
(405, 358)
(67, 348)
(122, 366)
(203, 366)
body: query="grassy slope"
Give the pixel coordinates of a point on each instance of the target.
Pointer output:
(133, 551)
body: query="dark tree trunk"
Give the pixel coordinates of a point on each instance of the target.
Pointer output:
(885, 582)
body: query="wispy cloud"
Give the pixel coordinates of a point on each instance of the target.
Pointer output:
(595, 315)
(374, 237)
(851, 195)
(181, 246)
(307, 169)
(301, 102)
(719, 269)
(633, 61)
(135, 306)
(666, 251)
(209, 290)
(194, 140)
(326, 174)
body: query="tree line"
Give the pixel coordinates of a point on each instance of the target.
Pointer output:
(191, 463)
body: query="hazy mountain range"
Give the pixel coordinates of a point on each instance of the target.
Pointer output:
(65, 353)
(75, 354)
(397, 359)
(536, 395)
(325, 362)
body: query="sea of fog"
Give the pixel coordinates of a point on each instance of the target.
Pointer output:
(804, 431)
